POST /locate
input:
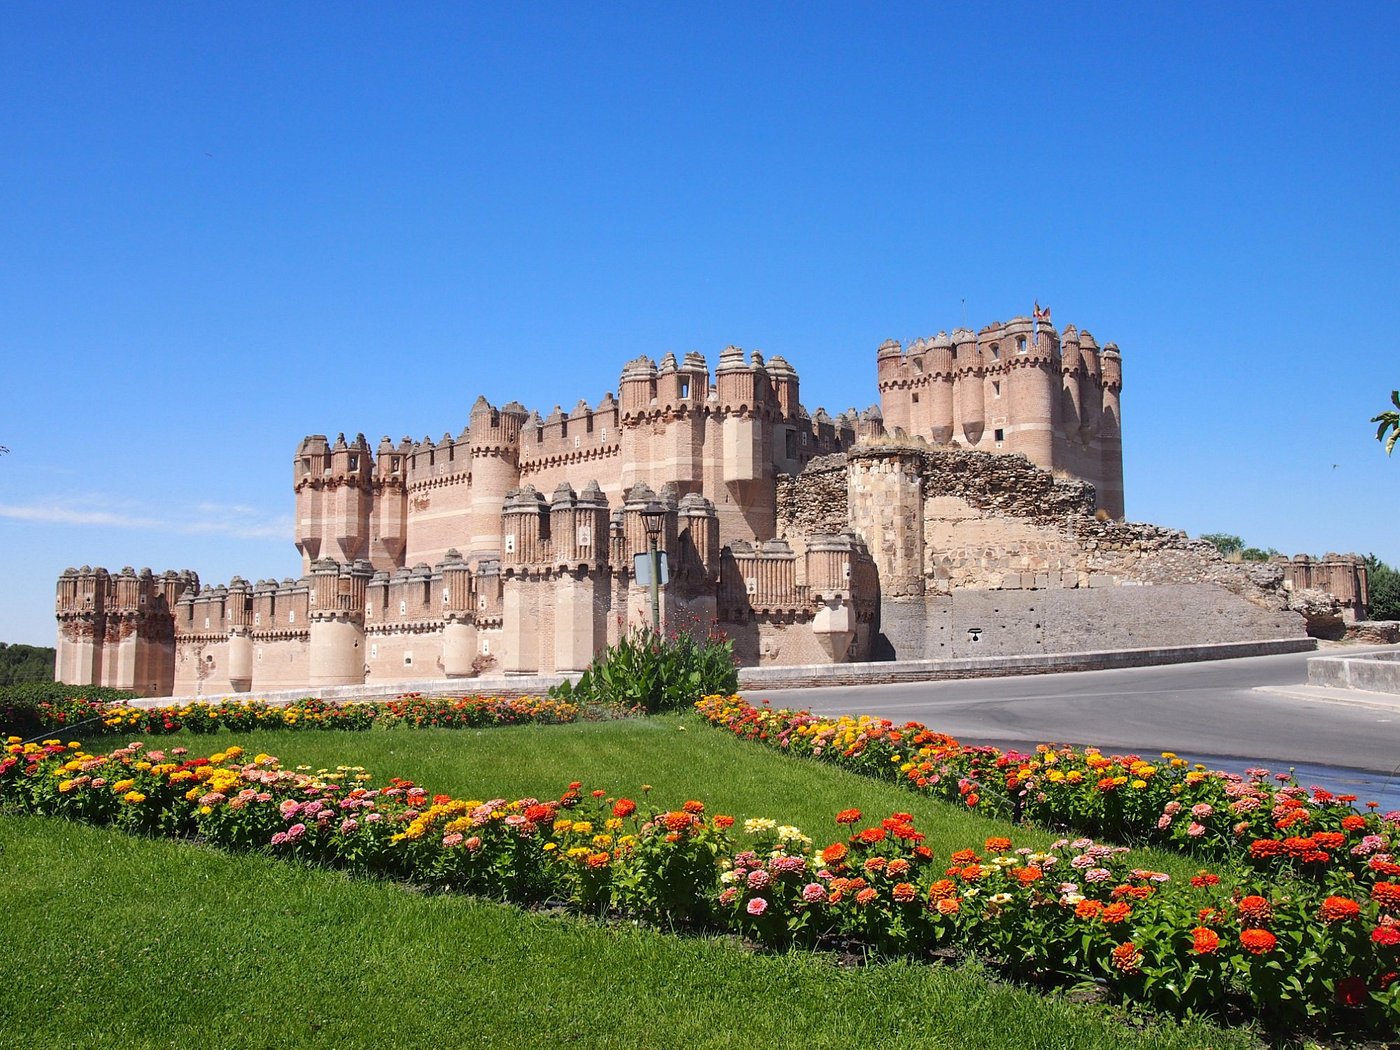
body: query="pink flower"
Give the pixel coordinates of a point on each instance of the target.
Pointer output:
(1201, 811)
(813, 892)
(295, 832)
(473, 844)
(729, 895)
(348, 825)
(452, 839)
(1098, 875)
(757, 906)
(1195, 830)
(279, 837)
(758, 879)
(1163, 821)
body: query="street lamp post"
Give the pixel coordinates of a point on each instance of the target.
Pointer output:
(654, 520)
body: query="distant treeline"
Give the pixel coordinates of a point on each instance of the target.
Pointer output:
(25, 663)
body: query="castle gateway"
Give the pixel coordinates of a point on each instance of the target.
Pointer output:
(911, 530)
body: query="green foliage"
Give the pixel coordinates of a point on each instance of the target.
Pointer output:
(1389, 422)
(1224, 542)
(653, 672)
(1383, 582)
(1259, 554)
(25, 663)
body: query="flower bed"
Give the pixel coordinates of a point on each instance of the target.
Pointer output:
(1322, 953)
(1269, 824)
(412, 709)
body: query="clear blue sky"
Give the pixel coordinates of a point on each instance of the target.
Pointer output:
(229, 225)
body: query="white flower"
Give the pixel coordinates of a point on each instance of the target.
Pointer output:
(758, 825)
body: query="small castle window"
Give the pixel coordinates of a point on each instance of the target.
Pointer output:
(394, 465)
(403, 608)
(291, 616)
(578, 442)
(305, 467)
(1020, 344)
(955, 353)
(996, 352)
(605, 433)
(259, 656)
(916, 398)
(919, 365)
(486, 647)
(996, 388)
(354, 462)
(510, 543)
(999, 436)
(257, 619)
(206, 623)
(446, 596)
(539, 435)
(408, 659)
(791, 449)
(685, 388)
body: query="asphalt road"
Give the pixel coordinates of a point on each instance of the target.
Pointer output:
(1228, 709)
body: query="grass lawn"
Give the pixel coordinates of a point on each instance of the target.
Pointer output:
(115, 941)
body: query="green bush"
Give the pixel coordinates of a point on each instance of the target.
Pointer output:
(1383, 582)
(653, 672)
(37, 707)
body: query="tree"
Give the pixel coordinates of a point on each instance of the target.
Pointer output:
(1389, 421)
(1383, 582)
(1224, 542)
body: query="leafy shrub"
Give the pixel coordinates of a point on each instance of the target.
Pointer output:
(653, 672)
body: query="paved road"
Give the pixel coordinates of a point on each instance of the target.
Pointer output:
(1226, 709)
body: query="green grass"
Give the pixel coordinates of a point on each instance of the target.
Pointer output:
(121, 942)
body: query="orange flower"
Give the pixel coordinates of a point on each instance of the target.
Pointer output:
(897, 867)
(598, 860)
(1259, 942)
(875, 864)
(972, 872)
(943, 889)
(848, 816)
(1088, 909)
(870, 836)
(1204, 878)
(963, 856)
(1255, 909)
(1339, 909)
(865, 896)
(1386, 894)
(1116, 913)
(1329, 839)
(624, 807)
(692, 806)
(948, 906)
(835, 853)
(997, 844)
(1354, 822)
(723, 820)
(904, 892)
(1260, 848)
(677, 820)
(1204, 940)
(1028, 875)
(1126, 957)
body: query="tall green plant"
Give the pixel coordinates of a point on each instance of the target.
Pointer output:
(656, 672)
(1389, 423)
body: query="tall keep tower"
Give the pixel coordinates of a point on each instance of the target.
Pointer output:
(1015, 386)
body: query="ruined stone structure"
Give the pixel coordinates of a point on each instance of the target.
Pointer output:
(806, 538)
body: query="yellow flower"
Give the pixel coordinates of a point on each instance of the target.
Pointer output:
(206, 810)
(133, 797)
(65, 786)
(1054, 776)
(550, 847)
(602, 841)
(1139, 784)
(123, 785)
(583, 827)
(142, 766)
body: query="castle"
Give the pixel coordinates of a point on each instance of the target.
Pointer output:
(804, 537)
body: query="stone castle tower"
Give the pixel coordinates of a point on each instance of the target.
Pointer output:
(1014, 387)
(511, 545)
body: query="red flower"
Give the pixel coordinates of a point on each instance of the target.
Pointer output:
(1087, 909)
(1386, 894)
(1354, 822)
(723, 820)
(694, 806)
(1205, 878)
(539, 813)
(1260, 848)
(1339, 909)
(870, 836)
(1258, 942)
(1351, 991)
(1386, 935)
(624, 807)
(1255, 909)
(834, 853)
(848, 816)
(1204, 940)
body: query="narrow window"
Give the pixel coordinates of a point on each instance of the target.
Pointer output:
(996, 352)
(354, 462)
(998, 436)
(916, 399)
(1020, 344)
(996, 388)
(685, 388)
